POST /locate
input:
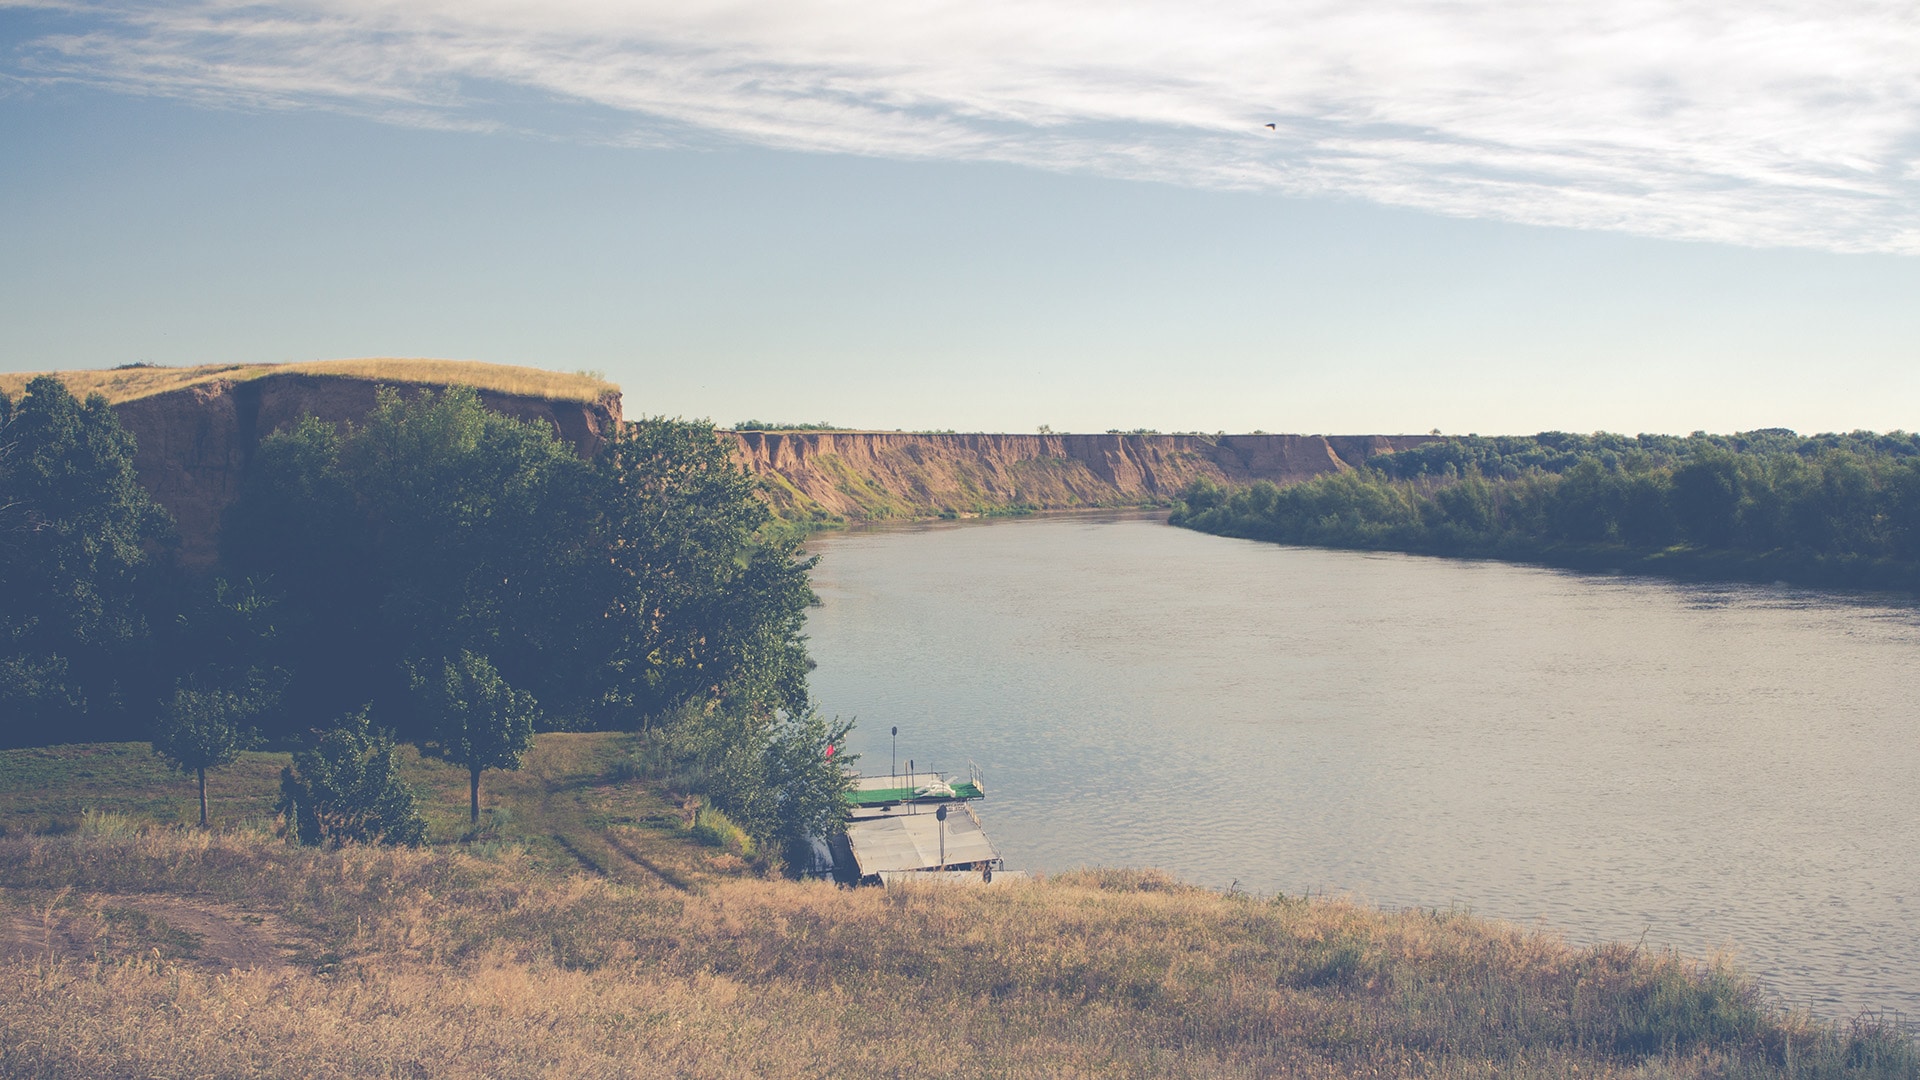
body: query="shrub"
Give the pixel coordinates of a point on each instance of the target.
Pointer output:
(348, 788)
(781, 778)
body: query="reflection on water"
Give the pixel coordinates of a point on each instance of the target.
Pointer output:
(1711, 767)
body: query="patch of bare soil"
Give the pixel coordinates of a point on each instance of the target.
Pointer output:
(104, 926)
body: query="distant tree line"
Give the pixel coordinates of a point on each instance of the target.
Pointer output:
(460, 577)
(776, 425)
(1836, 509)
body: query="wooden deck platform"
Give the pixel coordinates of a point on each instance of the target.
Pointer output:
(909, 840)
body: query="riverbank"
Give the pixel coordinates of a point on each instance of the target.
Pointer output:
(165, 951)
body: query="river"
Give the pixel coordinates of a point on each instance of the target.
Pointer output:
(1714, 768)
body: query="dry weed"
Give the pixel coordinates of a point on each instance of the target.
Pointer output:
(417, 963)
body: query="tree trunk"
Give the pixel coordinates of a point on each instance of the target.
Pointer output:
(203, 796)
(473, 790)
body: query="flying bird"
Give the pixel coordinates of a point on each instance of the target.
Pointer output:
(1270, 127)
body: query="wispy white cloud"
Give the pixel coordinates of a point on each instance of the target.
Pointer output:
(1790, 122)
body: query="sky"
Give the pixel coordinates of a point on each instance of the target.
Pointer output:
(1470, 215)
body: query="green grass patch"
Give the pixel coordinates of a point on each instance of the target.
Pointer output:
(48, 788)
(575, 803)
(715, 829)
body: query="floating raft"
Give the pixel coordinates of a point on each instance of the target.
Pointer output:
(913, 787)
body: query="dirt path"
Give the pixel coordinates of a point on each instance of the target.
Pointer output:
(105, 926)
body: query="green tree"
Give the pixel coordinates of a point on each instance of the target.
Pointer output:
(1646, 514)
(468, 508)
(297, 532)
(1587, 504)
(781, 777)
(432, 526)
(225, 633)
(1706, 499)
(478, 720)
(809, 768)
(77, 532)
(1833, 509)
(205, 729)
(347, 788)
(611, 590)
(693, 602)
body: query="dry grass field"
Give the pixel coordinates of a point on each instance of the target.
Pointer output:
(132, 383)
(159, 951)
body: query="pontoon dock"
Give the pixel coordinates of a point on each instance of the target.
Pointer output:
(915, 826)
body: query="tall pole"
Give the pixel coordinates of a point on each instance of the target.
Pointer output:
(941, 816)
(893, 763)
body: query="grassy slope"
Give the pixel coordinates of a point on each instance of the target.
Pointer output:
(129, 384)
(448, 964)
(138, 950)
(569, 805)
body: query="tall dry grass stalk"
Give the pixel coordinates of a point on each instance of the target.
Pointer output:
(422, 963)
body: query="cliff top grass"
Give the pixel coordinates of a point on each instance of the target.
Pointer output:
(133, 383)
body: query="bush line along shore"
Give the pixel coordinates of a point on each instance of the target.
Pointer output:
(1825, 511)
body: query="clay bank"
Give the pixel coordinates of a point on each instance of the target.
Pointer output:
(875, 475)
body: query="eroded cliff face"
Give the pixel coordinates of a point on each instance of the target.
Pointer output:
(866, 476)
(195, 444)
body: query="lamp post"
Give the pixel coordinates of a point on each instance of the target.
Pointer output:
(940, 815)
(893, 762)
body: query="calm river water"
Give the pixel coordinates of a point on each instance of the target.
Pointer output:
(1714, 768)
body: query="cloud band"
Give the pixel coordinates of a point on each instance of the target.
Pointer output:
(1782, 124)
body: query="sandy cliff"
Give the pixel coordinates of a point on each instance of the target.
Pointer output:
(863, 476)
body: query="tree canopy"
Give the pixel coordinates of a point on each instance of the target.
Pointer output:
(610, 589)
(435, 565)
(79, 538)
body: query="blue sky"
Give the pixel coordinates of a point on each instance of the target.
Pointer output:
(1475, 216)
